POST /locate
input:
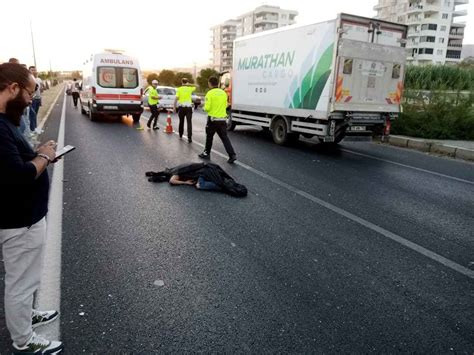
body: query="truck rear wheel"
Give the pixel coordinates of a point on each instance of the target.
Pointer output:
(280, 133)
(230, 124)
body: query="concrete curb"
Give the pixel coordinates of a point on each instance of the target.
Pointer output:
(428, 146)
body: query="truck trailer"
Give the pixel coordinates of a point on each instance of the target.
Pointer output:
(326, 80)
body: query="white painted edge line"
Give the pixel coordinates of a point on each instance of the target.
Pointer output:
(405, 242)
(43, 122)
(49, 294)
(409, 166)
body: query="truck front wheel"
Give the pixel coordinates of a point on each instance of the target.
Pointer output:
(280, 133)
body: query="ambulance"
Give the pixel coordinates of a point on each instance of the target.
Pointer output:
(111, 85)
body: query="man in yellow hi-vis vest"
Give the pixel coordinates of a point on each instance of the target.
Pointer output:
(216, 108)
(153, 99)
(184, 102)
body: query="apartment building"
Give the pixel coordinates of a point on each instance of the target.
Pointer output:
(435, 28)
(263, 18)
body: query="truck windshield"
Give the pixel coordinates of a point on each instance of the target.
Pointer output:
(116, 77)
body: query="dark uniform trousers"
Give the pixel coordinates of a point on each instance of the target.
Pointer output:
(185, 112)
(219, 127)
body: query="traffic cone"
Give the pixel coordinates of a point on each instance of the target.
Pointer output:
(169, 127)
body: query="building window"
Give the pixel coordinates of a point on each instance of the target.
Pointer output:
(439, 52)
(430, 39)
(431, 27)
(441, 40)
(429, 50)
(283, 17)
(445, 16)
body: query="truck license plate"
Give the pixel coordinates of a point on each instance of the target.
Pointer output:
(358, 128)
(110, 107)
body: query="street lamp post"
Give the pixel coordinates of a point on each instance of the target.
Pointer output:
(33, 43)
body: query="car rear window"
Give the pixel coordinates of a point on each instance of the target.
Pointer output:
(115, 77)
(166, 91)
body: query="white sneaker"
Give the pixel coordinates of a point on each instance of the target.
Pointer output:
(38, 345)
(39, 318)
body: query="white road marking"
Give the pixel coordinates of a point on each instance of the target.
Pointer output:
(43, 122)
(408, 166)
(49, 294)
(396, 238)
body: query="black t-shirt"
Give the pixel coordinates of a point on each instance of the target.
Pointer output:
(23, 198)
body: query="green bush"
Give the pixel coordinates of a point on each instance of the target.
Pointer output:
(440, 116)
(440, 77)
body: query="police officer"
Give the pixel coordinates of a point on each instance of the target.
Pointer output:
(185, 107)
(215, 106)
(153, 99)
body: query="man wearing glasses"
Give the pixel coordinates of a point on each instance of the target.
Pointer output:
(24, 188)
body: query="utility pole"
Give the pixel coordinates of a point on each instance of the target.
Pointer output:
(195, 74)
(33, 43)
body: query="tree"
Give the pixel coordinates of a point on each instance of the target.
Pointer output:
(203, 78)
(166, 77)
(76, 74)
(181, 75)
(151, 77)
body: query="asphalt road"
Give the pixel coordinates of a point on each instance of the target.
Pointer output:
(329, 253)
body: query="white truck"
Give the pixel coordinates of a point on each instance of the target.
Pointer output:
(325, 80)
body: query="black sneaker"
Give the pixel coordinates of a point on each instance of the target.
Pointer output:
(190, 140)
(38, 345)
(39, 318)
(232, 159)
(156, 127)
(204, 155)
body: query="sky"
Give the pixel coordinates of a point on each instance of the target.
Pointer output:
(161, 34)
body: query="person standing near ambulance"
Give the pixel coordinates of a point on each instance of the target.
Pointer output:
(185, 107)
(153, 99)
(216, 108)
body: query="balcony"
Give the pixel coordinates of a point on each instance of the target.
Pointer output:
(453, 55)
(415, 8)
(461, 2)
(266, 19)
(230, 31)
(456, 34)
(424, 56)
(454, 46)
(413, 34)
(228, 39)
(431, 9)
(412, 20)
(459, 13)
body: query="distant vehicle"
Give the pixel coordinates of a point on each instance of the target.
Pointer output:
(197, 100)
(326, 80)
(167, 95)
(111, 86)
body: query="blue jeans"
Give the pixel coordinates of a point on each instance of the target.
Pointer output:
(34, 109)
(207, 185)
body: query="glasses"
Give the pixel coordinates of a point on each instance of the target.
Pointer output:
(30, 93)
